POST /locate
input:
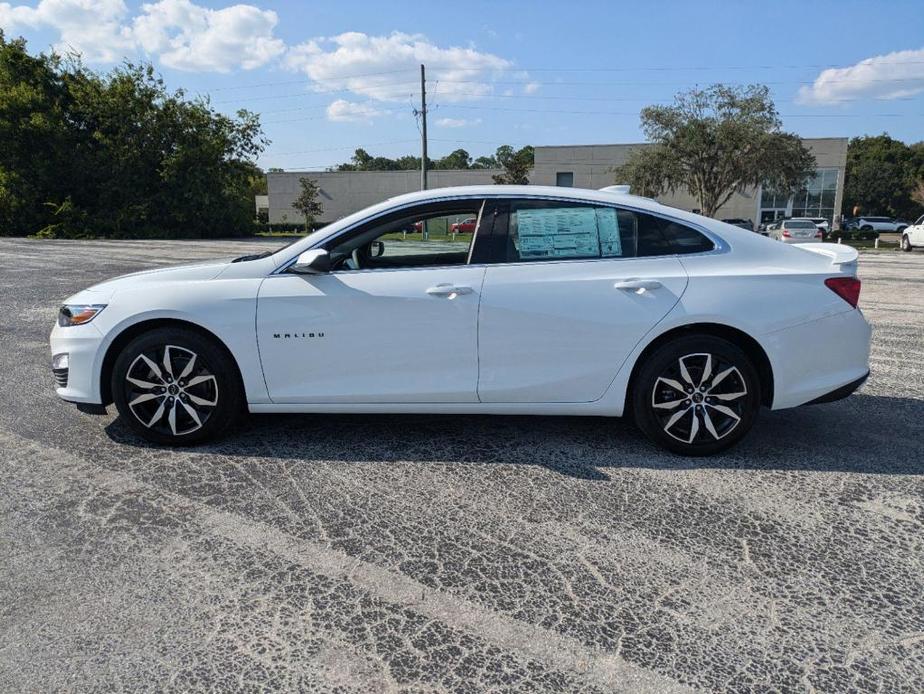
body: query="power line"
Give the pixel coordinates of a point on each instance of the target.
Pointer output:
(670, 68)
(308, 80)
(316, 91)
(666, 100)
(648, 82)
(343, 147)
(635, 113)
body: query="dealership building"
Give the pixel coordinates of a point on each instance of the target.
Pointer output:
(582, 166)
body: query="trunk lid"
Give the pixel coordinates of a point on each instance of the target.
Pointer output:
(842, 257)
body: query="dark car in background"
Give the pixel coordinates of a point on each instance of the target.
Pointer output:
(738, 222)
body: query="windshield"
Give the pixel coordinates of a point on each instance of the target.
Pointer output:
(274, 251)
(799, 224)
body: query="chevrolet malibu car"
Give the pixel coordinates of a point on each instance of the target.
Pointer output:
(563, 302)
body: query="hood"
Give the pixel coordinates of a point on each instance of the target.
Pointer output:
(198, 271)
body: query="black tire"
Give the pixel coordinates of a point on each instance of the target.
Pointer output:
(906, 244)
(705, 360)
(198, 401)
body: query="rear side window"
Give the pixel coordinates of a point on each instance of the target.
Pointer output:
(548, 230)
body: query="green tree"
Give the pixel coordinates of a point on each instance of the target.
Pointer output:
(307, 202)
(881, 175)
(917, 194)
(459, 159)
(516, 164)
(488, 162)
(86, 154)
(713, 142)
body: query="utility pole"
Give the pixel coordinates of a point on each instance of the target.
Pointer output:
(423, 128)
(425, 232)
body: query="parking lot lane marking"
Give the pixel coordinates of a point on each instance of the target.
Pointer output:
(553, 650)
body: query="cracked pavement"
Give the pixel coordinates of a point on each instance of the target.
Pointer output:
(425, 553)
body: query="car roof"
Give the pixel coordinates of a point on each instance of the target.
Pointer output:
(613, 197)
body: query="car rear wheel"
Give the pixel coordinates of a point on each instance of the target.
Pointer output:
(696, 395)
(906, 244)
(177, 387)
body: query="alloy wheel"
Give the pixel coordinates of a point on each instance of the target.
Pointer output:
(171, 390)
(700, 398)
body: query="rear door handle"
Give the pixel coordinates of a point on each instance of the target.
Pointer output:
(636, 285)
(449, 290)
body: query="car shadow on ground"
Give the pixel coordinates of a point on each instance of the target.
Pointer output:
(862, 434)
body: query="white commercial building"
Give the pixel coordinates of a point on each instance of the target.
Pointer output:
(582, 166)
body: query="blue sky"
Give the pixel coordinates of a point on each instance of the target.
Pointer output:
(328, 77)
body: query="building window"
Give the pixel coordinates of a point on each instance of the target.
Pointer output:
(564, 179)
(816, 199)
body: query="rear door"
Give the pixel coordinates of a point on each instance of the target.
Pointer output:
(578, 287)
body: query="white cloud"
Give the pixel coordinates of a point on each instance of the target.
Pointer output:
(531, 88)
(890, 76)
(457, 122)
(181, 34)
(95, 28)
(458, 73)
(352, 112)
(190, 37)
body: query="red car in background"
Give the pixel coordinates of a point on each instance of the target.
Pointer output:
(466, 226)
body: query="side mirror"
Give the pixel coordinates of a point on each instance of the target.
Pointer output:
(376, 249)
(313, 262)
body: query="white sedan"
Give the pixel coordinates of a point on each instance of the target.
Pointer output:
(561, 302)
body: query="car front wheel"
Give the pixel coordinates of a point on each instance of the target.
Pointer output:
(696, 395)
(177, 387)
(906, 244)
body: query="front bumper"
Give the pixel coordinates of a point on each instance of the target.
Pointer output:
(80, 382)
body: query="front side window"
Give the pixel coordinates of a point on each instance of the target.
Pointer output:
(548, 230)
(415, 239)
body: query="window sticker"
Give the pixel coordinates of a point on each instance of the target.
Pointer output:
(608, 228)
(565, 232)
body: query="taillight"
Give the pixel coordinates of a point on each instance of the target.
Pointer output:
(848, 288)
(786, 234)
(819, 235)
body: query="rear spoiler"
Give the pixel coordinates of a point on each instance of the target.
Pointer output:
(843, 257)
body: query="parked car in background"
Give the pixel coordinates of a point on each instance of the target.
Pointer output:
(795, 231)
(824, 226)
(875, 224)
(913, 236)
(466, 226)
(738, 222)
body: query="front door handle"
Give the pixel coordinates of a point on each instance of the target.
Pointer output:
(449, 290)
(636, 285)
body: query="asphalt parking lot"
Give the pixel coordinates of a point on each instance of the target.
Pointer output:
(393, 553)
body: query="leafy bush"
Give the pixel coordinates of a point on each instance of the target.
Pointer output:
(117, 155)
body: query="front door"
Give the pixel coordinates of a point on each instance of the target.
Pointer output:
(559, 318)
(396, 321)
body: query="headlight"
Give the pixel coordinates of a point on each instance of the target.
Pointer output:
(78, 314)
